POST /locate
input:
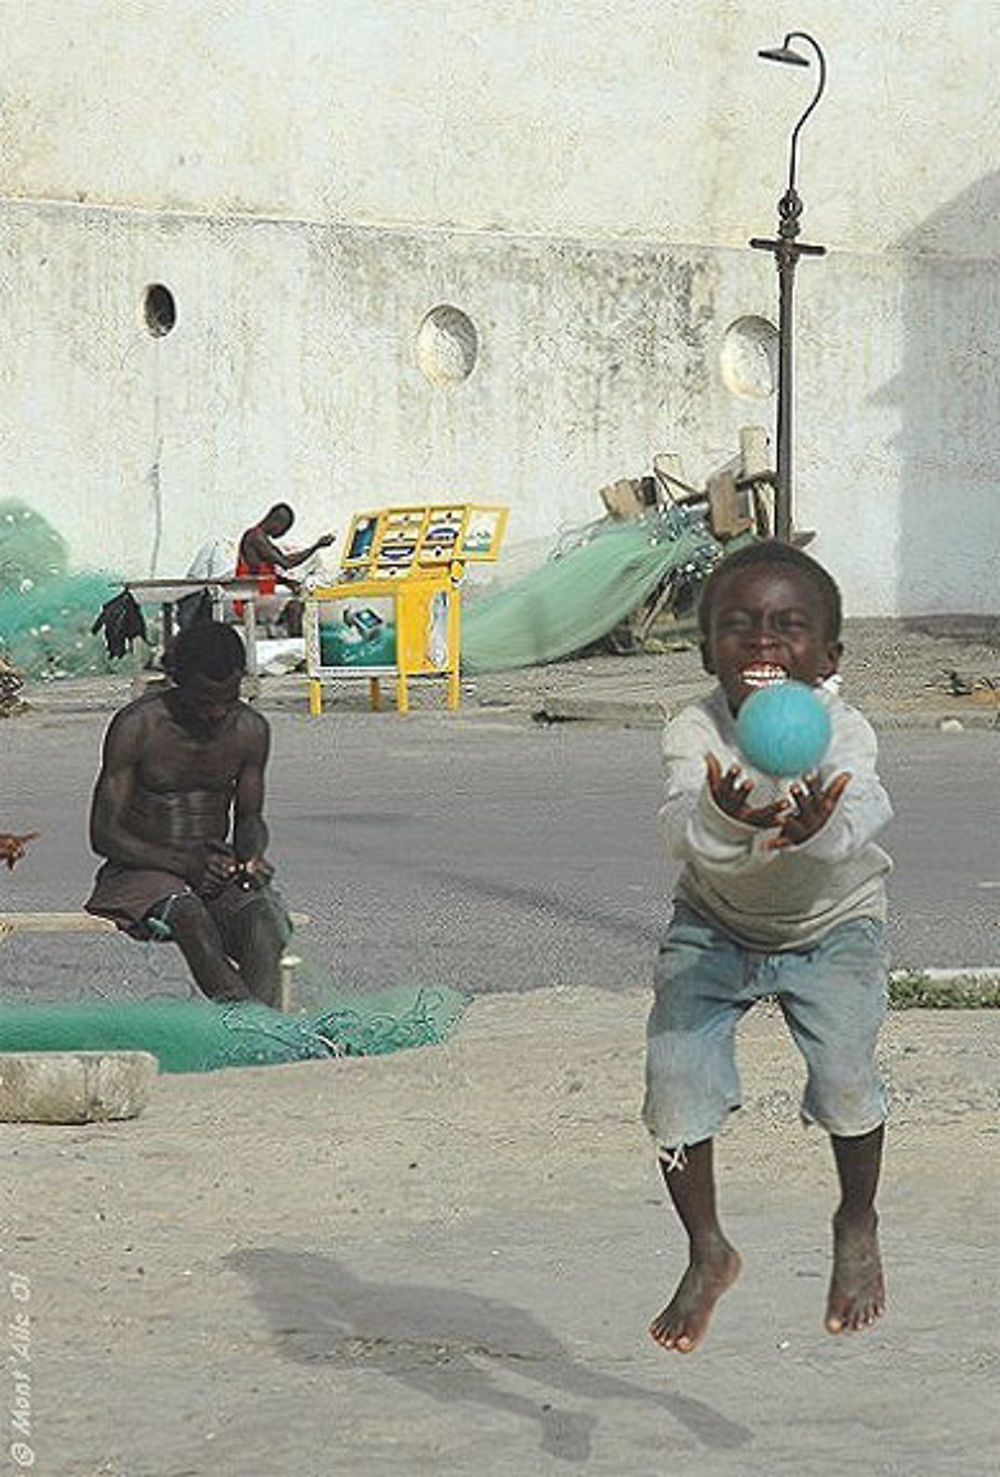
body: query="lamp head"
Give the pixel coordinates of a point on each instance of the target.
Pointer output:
(784, 54)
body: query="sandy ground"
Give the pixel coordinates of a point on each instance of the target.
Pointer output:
(443, 1261)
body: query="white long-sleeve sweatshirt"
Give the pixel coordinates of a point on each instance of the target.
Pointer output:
(789, 898)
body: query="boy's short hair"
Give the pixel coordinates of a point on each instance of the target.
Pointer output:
(773, 552)
(207, 649)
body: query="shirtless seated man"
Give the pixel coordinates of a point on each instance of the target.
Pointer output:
(177, 813)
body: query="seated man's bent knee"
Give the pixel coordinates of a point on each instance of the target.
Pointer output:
(191, 922)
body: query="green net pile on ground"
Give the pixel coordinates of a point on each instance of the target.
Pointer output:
(46, 613)
(577, 597)
(199, 1036)
(105, 992)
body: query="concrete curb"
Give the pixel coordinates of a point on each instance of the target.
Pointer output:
(288, 694)
(74, 1086)
(611, 712)
(885, 720)
(988, 974)
(944, 989)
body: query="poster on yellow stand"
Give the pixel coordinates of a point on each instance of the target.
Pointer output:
(397, 609)
(395, 543)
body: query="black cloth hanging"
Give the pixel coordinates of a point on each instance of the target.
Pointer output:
(122, 622)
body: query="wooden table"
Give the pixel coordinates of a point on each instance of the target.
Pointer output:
(167, 594)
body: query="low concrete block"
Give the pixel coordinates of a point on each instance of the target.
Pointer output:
(74, 1086)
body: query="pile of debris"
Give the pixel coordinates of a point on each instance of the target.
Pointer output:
(605, 585)
(737, 498)
(735, 504)
(11, 683)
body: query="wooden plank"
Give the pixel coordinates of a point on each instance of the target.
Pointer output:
(53, 923)
(623, 499)
(726, 515)
(11, 923)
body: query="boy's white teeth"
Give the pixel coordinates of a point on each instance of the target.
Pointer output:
(763, 676)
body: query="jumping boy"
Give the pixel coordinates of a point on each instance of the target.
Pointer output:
(782, 893)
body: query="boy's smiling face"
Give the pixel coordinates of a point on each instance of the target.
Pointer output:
(767, 623)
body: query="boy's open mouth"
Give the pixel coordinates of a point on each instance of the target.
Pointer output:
(763, 674)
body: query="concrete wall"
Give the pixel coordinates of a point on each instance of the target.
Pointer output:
(580, 180)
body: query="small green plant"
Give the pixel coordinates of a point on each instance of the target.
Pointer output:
(910, 989)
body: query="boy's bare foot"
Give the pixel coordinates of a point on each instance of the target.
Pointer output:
(857, 1289)
(684, 1320)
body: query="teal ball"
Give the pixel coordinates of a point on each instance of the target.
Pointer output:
(783, 729)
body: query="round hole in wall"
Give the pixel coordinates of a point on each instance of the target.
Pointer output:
(748, 359)
(447, 345)
(160, 309)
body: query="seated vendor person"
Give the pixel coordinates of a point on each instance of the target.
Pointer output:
(261, 556)
(177, 813)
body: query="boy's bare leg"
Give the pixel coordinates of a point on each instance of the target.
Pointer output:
(713, 1264)
(857, 1288)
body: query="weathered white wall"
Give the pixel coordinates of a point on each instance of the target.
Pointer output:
(580, 178)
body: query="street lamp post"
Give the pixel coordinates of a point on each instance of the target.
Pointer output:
(787, 250)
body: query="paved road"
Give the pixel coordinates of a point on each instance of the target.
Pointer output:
(496, 856)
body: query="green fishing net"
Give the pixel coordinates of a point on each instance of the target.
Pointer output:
(45, 629)
(31, 551)
(581, 593)
(108, 992)
(200, 1036)
(45, 612)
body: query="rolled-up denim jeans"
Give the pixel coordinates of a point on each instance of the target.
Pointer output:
(833, 997)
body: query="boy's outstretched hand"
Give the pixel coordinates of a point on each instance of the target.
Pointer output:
(810, 808)
(731, 791)
(805, 810)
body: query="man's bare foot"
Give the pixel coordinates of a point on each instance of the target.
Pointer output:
(684, 1320)
(857, 1289)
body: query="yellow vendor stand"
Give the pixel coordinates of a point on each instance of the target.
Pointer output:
(396, 611)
